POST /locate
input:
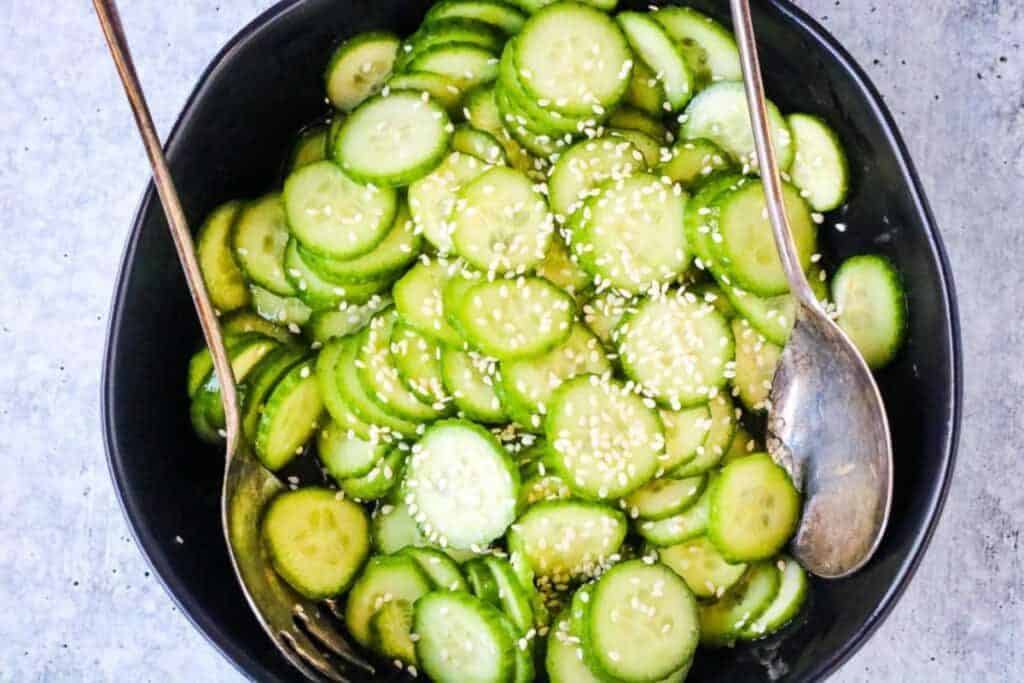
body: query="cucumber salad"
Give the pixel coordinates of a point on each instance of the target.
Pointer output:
(518, 298)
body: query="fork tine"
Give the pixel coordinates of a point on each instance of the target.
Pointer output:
(330, 638)
(308, 652)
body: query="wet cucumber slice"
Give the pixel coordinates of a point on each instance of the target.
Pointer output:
(663, 498)
(787, 603)
(872, 307)
(224, 280)
(386, 578)
(703, 568)
(359, 67)
(290, 417)
(453, 629)
(723, 622)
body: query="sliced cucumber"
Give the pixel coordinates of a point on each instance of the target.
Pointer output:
(756, 361)
(661, 498)
(699, 563)
(479, 144)
(224, 280)
(316, 541)
(604, 312)
(649, 148)
(515, 600)
(561, 268)
(470, 380)
(344, 455)
(419, 300)
(482, 582)
(259, 236)
(417, 359)
(633, 119)
(359, 67)
(381, 481)
(513, 319)
(555, 56)
(245, 354)
(820, 168)
(772, 316)
(628, 235)
(386, 578)
(642, 622)
(722, 622)
(694, 161)
(498, 14)
(390, 631)
(564, 659)
(502, 224)
(542, 118)
(872, 307)
(290, 417)
(690, 28)
(354, 395)
(603, 437)
(343, 418)
(461, 639)
(754, 509)
(646, 92)
(719, 114)
(685, 434)
(690, 523)
(332, 215)
(677, 347)
(322, 294)
(743, 444)
(348, 319)
(441, 89)
(441, 569)
(568, 539)
(461, 485)
(540, 487)
(585, 166)
(653, 45)
(245, 321)
(393, 528)
(466, 64)
(787, 603)
(460, 30)
(432, 199)
(283, 310)
(261, 380)
(310, 147)
(722, 420)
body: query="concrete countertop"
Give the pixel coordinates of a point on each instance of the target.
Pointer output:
(77, 600)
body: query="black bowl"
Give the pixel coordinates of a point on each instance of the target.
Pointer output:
(265, 84)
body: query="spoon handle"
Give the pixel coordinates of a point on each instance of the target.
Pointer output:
(113, 31)
(754, 87)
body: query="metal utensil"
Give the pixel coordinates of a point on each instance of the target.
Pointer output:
(303, 634)
(826, 425)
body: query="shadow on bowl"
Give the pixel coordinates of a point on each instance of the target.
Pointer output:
(228, 142)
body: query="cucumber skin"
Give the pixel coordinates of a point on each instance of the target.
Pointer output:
(896, 290)
(493, 619)
(288, 383)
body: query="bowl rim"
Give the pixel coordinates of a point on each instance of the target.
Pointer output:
(153, 549)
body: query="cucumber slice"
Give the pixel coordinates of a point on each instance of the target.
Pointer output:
(754, 509)
(515, 600)
(677, 348)
(532, 6)
(498, 14)
(772, 316)
(532, 136)
(419, 300)
(694, 161)
(722, 622)
(467, 65)
(702, 567)
(380, 481)
(564, 659)
(441, 569)
(343, 418)
(653, 45)
(479, 144)
(744, 245)
(319, 293)
(701, 217)
(513, 319)
(481, 111)
(604, 312)
(386, 578)
(393, 529)
(354, 395)
(555, 59)
(337, 121)
(344, 455)
(390, 631)
(642, 622)
(400, 246)
(603, 437)
(719, 113)
(417, 360)
(482, 581)
(648, 146)
(562, 269)
(743, 444)
(568, 539)
(528, 385)
(242, 322)
(432, 199)
(470, 380)
(689, 27)
(441, 89)
(525, 670)
(259, 236)
(461, 485)
(661, 498)
(310, 147)
(628, 235)
(462, 640)
(645, 91)
(787, 603)
(380, 378)
(332, 215)
(872, 307)
(244, 354)
(685, 434)
(756, 361)
(316, 541)
(261, 380)
(359, 67)
(393, 140)
(540, 117)
(709, 292)
(502, 224)
(634, 119)
(290, 417)
(459, 30)
(283, 310)
(585, 166)
(690, 523)
(820, 168)
(349, 319)
(541, 487)
(224, 280)
(722, 414)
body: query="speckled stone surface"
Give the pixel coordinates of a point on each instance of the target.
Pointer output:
(77, 601)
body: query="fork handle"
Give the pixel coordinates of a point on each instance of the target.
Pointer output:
(754, 87)
(113, 31)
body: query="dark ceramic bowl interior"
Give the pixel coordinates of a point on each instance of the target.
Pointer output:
(229, 142)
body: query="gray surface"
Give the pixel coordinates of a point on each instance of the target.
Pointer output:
(76, 599)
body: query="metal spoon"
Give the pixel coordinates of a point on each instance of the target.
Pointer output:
(827, 425)
(296, 626)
